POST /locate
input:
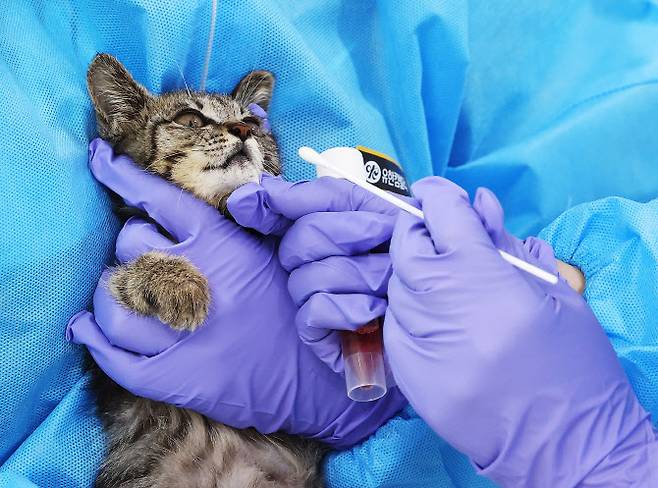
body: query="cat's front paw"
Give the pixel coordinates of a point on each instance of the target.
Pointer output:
(169, 287)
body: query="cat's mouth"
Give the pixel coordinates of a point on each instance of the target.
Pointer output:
(240, 158)
(247, 153)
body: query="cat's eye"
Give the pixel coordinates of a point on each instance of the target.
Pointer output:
(190, 118)
(251, 121)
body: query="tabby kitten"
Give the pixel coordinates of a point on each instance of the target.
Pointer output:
(208, 144)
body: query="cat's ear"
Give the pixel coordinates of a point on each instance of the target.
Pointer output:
(117, 97)
(256, 87)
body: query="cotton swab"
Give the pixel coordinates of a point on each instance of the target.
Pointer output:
(312, 156)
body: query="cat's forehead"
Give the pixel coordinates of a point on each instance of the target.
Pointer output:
(215, 106)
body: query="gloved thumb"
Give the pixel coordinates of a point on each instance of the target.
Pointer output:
(449, 217)
(250, 206)
(532, 249)
(492, 216)
(272, 206)
(138, 237)
(115, 362)
(178, 211)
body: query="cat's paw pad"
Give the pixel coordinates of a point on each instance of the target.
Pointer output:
(168, 287)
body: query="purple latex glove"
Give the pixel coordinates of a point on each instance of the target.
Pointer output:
(516, 373)
(332, 226)
(245, 366)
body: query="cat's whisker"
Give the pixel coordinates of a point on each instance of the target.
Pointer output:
(187, 88)
(151, 164)
(180, 196)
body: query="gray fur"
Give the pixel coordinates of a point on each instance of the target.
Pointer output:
(152, 444)
(168, 287)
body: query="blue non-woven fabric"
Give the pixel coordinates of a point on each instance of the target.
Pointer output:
(558, 105)
(64, 450)
(548, 103)
(614, 242)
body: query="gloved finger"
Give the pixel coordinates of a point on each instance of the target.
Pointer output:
(138, 237)
(176, 210)
(117, 363)
(365, 274)
(326, 345)
(421, 268)
(252, 208)
(492, 216)
(469, 268)
(323, 315)
(249, 206)
(132, 371)
(413, 255)
(491, 213)
(326, 194)
(319, 235)
(338, 312)
(449, 216)
(542, 252)
(128, 330)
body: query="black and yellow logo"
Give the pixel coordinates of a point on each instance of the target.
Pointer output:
(383, 171)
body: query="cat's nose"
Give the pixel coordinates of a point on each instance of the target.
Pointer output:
(239, 129)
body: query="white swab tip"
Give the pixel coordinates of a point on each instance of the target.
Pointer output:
(309, 154)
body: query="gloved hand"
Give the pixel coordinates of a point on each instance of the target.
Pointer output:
(245, 366)
(515, 373)
(525, 417)
(330, 228)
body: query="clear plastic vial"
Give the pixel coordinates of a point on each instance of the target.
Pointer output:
(363, 352)
(363, 357)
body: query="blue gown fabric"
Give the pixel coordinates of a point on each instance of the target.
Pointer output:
(550, 104)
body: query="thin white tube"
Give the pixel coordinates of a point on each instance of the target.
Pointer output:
(211, 40)
(312, 156)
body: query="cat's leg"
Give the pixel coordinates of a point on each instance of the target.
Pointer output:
(168, 287)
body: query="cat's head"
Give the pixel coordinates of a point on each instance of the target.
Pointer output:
(207, 143)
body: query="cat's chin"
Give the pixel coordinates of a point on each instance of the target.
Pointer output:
(217, 189)
(240, 158)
